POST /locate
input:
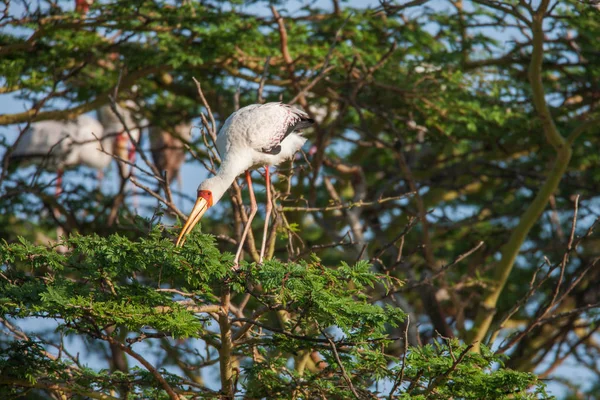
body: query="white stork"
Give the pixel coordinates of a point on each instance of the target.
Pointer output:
(124, 148)
(256, 135)
(56, 145)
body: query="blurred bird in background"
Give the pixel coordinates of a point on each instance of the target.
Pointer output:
(167, 146)
(57, 145)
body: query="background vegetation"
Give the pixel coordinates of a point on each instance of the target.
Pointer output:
(433, 240)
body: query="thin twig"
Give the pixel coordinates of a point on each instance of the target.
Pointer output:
(440, 378)
(163, 382)
(325, 68)
(346, 206)
(158, 197)
(400, 377)
(213, 127)
(261, 85)
(443, 269)
(339, 361)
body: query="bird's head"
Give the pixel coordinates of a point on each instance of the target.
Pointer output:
(83, 6)
(209, 192)
(212, 189)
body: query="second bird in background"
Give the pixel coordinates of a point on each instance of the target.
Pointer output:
(168, 149)
(57, 145)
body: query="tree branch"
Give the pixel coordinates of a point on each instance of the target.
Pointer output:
(581, 129)
(225, 352)
(339, 361)
(553, 137)
(33, 115)
(56, 387)
(349, 205)
(163, 382)
(511, 249)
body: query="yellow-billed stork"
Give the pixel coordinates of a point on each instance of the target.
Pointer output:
(56, 145)
(124, 149)
(256, 135)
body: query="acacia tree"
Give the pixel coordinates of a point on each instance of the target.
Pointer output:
(445, 206)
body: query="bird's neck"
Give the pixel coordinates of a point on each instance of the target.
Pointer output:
(111, 122)
(232, 166)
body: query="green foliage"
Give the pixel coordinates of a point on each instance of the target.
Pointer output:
(450, 370)
(433, 99)
(111, 288)
(330, 296)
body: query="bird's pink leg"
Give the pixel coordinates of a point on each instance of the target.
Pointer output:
(267, 214)
(131, 157)
(59, 179)
(99, 178)
(58, 190)
(253, 209)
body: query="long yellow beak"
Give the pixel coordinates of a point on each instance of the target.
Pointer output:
(197, 212)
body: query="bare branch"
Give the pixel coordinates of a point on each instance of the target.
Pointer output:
(339, 361)
(261, 85)
(346, 206)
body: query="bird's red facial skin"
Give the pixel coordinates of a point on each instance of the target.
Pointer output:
(206, 195)
(82, 6)
(122, 140)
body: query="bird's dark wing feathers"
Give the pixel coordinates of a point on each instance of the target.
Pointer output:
(298, 120)
(273, 150)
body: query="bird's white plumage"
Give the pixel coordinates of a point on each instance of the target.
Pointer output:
(258, 134)
(261, 127)
(113, 125)
(62, 144)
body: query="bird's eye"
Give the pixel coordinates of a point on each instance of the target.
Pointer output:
(206, 195)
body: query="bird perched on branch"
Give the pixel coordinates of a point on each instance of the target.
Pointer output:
(119, 124)
(256, 135)
(56, 145)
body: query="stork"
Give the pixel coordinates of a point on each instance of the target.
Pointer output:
(256, 135)
(167, 148)
(56, 145)
(83, 6)
(112, 125)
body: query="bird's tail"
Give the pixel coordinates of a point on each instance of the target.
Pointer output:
(304, 123)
